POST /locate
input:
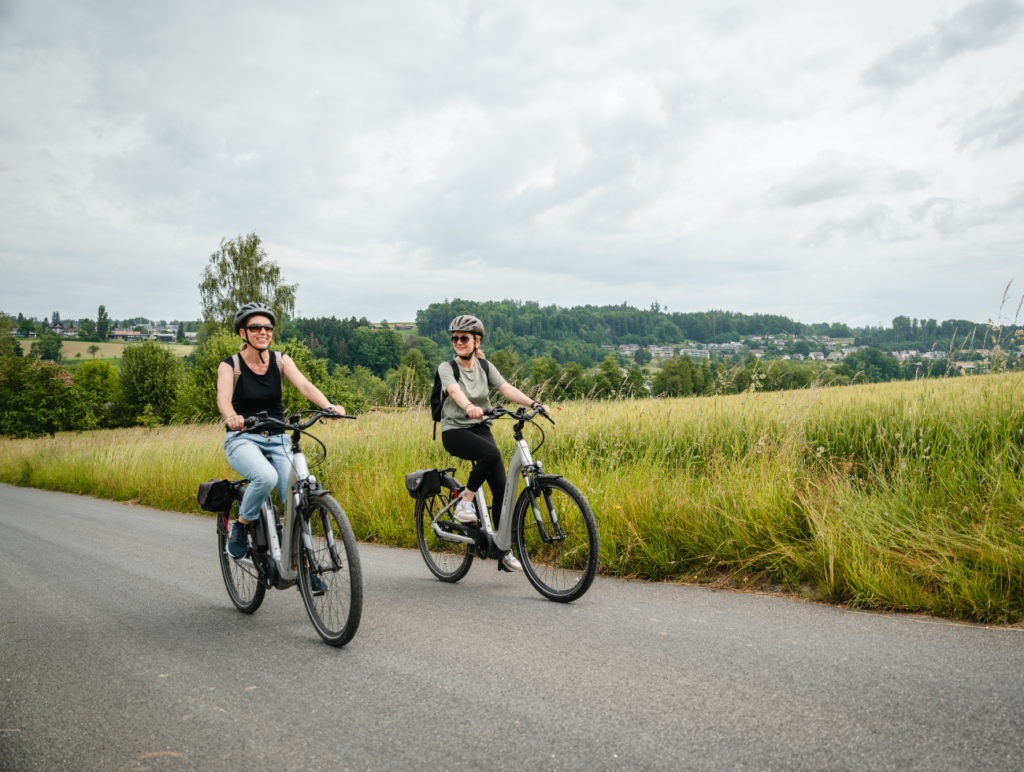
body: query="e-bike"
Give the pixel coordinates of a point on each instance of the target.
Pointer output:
(552, 525)
(312, 539)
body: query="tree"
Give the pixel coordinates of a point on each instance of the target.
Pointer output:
(873, 366)
(149, 375)
(432, 353)
(410, 384)
(93, 349)
(8, 345)
(634, 386)
(545, 373)
(180, 336)
(55, 318)
(423, 378)
(102, 323)
(39, 398)
(575, 383)
(610, 378)
(197, 397)
(99, 379)
(378, 350)
(642, 356)
(369, 386)
(47, 347)
(675, 378)
(26, 327)
(901, 329)
(88, 329)
(239, 273)
(706, 377)
(507, 362)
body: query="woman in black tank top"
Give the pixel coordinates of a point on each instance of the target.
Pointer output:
(263, 459)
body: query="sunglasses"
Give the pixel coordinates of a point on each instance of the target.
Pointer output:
(258, 327)
(461, 338)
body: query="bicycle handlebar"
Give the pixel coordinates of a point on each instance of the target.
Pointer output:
(262, 420)
(522, 414)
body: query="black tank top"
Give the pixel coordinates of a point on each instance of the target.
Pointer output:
(256, 393)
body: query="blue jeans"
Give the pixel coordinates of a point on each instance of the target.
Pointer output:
(266, 462)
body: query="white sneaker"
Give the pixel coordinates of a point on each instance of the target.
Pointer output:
(511, 563)
(465, 512)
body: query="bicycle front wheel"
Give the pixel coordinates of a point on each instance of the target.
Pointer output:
(449, 561)
(558, 544)
(244, 587)
(330, 577)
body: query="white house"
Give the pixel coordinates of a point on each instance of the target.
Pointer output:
(696, 353)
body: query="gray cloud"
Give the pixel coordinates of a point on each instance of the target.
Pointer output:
(977, 26)
(876, 222)
(996, 127)
(390, 155)
(836, 175)
(945, 215)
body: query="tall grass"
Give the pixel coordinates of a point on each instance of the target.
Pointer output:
(902, 496)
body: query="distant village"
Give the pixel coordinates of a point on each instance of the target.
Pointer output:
(164, 334)
(820, 349)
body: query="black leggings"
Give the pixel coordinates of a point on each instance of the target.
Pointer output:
(477, 444)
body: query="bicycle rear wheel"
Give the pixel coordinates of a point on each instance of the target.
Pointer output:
(244, 587)
(447, 560)
(560, 554)
(326, 549)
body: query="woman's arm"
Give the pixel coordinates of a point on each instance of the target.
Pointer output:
(455, 392)
(510, 392)
(307, 389)
(225, 385)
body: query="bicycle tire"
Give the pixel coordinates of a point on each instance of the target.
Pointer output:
(335, 614)
(242, 582)
(560, 570)
(448, 561)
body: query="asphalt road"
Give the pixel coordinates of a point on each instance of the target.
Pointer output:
(119, 650)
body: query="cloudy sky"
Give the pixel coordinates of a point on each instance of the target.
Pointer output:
(829, 161)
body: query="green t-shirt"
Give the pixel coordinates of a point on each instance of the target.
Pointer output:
(474, 384)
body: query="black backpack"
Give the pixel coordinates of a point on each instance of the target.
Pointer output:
(437, 396)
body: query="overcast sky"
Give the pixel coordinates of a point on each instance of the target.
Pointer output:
(829, 161)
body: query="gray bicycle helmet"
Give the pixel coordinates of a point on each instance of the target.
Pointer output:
(467, 323)
(253, 309)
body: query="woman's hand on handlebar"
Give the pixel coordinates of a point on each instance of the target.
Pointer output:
(474, 412)
(338, 409)
(235, 422)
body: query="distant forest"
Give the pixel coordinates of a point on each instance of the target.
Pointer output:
(577, 334)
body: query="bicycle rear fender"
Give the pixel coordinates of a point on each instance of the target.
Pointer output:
(451, 481)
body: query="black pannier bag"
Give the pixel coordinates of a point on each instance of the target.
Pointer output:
(423, 483)
(215, 495)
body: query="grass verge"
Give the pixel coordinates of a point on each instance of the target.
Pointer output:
(903, 496)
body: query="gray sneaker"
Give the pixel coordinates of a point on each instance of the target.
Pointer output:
(510, 562)
(465, 512)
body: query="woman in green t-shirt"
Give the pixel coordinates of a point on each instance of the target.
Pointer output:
(463, 432)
